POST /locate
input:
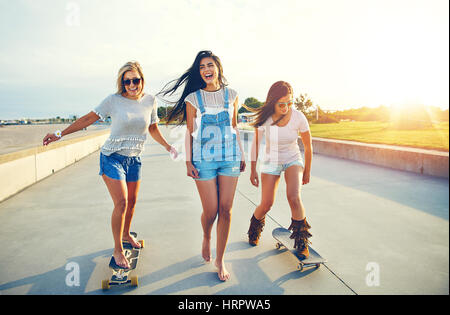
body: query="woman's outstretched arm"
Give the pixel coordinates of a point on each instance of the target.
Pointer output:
(154, 131)
(77, 125)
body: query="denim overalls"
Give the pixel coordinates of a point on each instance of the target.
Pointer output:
(216, 146)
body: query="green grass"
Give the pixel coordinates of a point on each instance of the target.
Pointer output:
(436, 138)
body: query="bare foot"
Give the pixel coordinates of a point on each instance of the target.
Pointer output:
(120, 259)
(206, 250)
(222, 272)
(130, 239)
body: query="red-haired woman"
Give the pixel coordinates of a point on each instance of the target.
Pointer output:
(281, 124)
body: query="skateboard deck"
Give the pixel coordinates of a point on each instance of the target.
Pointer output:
(120, 276)
(282, 236)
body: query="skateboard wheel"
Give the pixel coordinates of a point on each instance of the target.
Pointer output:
(317, 266)
(300, 267)
(134, 281)
(142, 243)
(278, 245)
(105, 284)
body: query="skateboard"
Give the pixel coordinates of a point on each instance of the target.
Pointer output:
(282, 236)
(120, 276)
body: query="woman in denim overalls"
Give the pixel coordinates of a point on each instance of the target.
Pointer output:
(214, 155)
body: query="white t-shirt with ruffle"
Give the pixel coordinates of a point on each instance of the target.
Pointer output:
(130, 120)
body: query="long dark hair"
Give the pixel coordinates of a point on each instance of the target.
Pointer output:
(192, 82)
(278, 90)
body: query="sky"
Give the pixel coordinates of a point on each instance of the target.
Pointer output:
(61, 58)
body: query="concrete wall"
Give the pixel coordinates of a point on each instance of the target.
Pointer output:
(427, 162)
(21, 169)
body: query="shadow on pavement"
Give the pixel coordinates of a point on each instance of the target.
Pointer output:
(54, 281)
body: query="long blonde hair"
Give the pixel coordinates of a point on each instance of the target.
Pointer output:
(129, 66)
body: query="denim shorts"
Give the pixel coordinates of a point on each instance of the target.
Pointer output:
(276, 169)
(121, 167)
(211, 169)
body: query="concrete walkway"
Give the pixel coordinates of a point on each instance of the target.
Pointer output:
(382, 232)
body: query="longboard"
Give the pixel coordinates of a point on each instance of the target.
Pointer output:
(282, 236)
(120, 276)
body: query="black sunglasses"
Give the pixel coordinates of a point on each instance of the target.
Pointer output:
(135, 81)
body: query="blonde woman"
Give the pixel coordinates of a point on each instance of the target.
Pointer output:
(132, 112)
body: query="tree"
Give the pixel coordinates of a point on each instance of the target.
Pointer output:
(303, 103)
(250, 102)
(411, 117)
(163, 112)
